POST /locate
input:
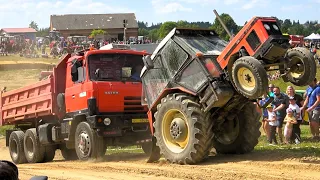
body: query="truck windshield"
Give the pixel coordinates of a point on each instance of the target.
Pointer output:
(206, 45)
(115, 67)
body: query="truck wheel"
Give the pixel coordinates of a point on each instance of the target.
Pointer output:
(16, 147)
(68, 154)
(249, 77)
(32, 148)
(302, 66)
(50, 152)
(181, 129)
(247, 133)
(87, 143)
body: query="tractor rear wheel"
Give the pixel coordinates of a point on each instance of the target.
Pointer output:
(241, 136)
(249, 77)
(182, 129)
(302, 66)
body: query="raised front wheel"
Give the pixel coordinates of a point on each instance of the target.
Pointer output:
(302, 66)
(249, 77)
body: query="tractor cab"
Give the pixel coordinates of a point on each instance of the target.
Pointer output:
(186, 60)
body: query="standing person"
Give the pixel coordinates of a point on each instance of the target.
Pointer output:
(273, 125)
(270, 90)
(296, 126)
(291, 92)
(294, 101)
(290, 120)
(265, 122)
(281, 103)
(312, 102)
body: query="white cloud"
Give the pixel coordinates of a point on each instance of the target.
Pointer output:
(25, 11)
(166, 7)
(255, 3)
(231, 2)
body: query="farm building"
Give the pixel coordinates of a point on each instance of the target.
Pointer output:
(83, 24)
(29, 33)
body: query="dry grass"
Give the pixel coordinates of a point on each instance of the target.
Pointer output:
(13, 59)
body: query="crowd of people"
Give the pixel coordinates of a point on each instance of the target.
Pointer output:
(288, 108)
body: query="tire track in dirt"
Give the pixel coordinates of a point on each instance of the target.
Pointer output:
(134, 166)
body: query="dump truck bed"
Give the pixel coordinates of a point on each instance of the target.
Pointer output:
(27, 103)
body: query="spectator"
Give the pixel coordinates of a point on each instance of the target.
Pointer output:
(291, 92)
(265, 123)
(281, 103)
(290, 120)
(8, 171)
(312, 103)
(295, 137)
(273, 125)
(270, 90)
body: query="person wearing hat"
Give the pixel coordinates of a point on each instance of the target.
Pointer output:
(273, 125)
(295, 137)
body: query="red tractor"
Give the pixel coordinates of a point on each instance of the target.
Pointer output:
(200, 89)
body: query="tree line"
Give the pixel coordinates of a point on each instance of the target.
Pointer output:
(160, 30)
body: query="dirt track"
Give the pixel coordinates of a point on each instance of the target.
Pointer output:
(133, 166)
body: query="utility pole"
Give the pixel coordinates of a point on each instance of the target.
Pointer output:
(125, 21)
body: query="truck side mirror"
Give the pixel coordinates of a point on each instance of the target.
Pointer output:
(148, 63)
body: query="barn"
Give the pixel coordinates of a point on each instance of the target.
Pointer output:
(83, 24)
(29, 33)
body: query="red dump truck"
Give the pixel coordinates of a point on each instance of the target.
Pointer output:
(89, 101)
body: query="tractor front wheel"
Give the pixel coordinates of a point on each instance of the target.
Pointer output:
(302, 66)
(182, 129)
(249, 77)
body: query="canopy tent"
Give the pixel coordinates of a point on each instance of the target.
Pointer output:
(313, 36)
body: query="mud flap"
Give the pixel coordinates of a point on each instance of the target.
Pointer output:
(153, 151)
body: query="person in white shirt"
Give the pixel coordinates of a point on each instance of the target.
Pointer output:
(297, 114)
(273, 125)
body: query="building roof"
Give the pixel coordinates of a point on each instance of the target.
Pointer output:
(18, 30)
(92, 21)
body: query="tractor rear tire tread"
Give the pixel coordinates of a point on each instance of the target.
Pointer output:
(248, 135)
(197, 147)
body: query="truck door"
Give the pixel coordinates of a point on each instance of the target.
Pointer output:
(76, 94)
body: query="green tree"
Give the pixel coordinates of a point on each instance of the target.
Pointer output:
(143, 32)
(166, 27)
(229, 22)
(34, 25)
(154, 34)
(97, 32)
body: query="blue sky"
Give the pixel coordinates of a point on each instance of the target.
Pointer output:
(19, 13)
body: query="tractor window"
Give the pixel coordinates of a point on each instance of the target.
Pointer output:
(253, 40)
(155, 80)
(192, 77)
(272, 28)
(173, 57)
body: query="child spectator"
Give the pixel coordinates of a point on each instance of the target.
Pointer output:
(265, 123)
(273, 125)
(290, 120)
(297, 114)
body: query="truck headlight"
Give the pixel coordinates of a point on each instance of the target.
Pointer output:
(107, 121)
